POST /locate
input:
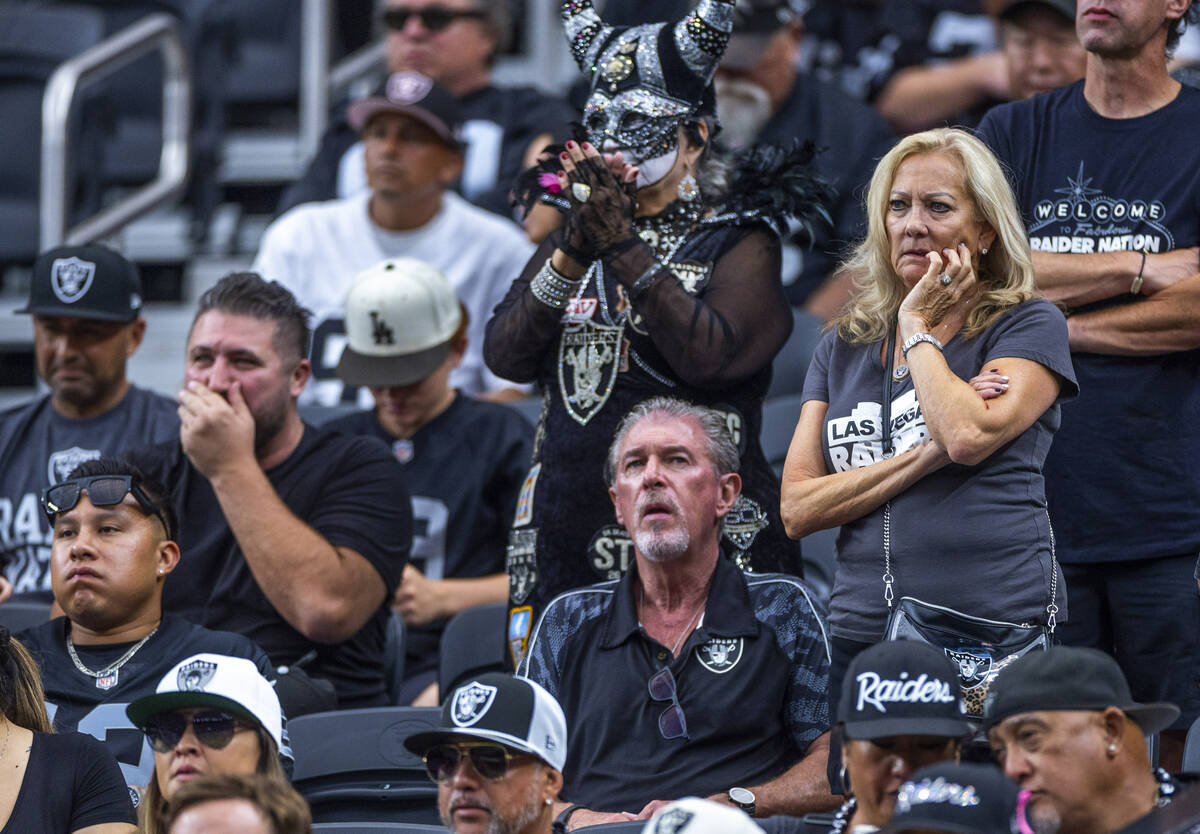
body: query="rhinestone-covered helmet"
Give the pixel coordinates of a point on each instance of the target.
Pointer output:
(647, 79)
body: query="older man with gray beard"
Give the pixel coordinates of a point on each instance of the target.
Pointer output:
(687, 676)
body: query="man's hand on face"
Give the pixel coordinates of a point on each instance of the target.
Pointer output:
(216, 433)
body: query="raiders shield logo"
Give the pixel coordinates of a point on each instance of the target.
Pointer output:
(974, 665)
(471, 702)
(408, 87)
(588, 358)
(194, 676)
(521, 564)
(610, 551)
(70, 278)
(673, 821)
(744, 521)
(62, 463)
(720, 654)
(693, 276)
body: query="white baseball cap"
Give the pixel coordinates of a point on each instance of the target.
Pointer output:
(401, 315)
(693, 815)
(214, 680)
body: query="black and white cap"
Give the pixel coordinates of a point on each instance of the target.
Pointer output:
(692, 815)
(902, 688)
(967, 798)
(515, 712)
(88, 282)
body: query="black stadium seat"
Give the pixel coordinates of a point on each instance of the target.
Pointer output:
(19, 614)
(1191, 750)
(472, 644)
(375, 828)
(352, 765)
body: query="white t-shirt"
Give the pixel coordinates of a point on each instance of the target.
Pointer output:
(317, 249)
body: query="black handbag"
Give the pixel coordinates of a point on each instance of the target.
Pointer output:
(979, 647)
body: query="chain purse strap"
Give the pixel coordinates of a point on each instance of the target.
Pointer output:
(889, 579)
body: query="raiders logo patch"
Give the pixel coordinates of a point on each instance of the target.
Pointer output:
(195, 676)
(525, 498)
(974, 665)
(71, 278)
(693, 276)
(588, 358)
(672, 822)
(520, 621)
(580, 310)
(610, 552)
(744, 521)
(62, 463)
(471, 702)
(521, 564)
(720, 654)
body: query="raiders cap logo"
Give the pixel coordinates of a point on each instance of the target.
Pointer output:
(471, 702)
(408, 87)
(70, 278)
(720, 654)
(195, 676)
(673, 821)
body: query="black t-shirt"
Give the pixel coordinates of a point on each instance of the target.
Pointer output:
(71, 782)
(1123, 473)
(351, 491)
(464, 469)
(75, 703)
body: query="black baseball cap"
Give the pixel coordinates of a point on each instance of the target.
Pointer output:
(414, 95)
(88, 282)
(1064, 7)
(515, 712)
(902, 688)
(1069, 678)
(965, 798)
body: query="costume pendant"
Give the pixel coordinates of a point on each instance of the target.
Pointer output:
(688, 189)
(588, 361)
(744, 521)
(107, 679)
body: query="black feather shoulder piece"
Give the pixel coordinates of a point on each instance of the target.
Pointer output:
(776, 184)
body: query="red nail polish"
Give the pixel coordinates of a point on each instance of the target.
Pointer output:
(564, 155)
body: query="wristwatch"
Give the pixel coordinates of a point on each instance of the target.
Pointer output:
(743, 798)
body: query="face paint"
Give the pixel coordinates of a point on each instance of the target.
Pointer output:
(651, 171)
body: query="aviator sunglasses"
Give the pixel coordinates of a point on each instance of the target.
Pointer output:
(103, 491)
(433, 18)
(214, 728)
(490, 760)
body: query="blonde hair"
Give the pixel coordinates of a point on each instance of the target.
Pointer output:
(1005, 274)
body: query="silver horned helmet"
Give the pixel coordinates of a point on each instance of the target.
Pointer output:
(646, 79)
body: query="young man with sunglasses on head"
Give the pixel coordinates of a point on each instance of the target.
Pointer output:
(114, 545)
(454, 42)
(85, 302)
(687, 676)
(497, 756)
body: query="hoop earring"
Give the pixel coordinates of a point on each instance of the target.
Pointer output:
(847, 790)
(688, 189)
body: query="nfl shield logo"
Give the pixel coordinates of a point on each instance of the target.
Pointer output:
(973, 665)
(70, 278)
(471, 702)
(194, 676)
(62, 463)
(107, 679)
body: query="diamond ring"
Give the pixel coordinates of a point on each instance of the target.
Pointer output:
(581, 191)
(945, 279)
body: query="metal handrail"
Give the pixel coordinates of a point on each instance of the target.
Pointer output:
(314, 69)
(157, 31)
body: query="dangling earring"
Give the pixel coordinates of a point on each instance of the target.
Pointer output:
(688, 189)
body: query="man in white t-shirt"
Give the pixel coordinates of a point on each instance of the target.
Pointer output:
(412, 154)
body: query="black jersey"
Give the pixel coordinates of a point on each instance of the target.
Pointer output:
(351, 491)
(76, 703)
(71, 783)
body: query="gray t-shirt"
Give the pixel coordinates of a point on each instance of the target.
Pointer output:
(39, 447)
(974, 538)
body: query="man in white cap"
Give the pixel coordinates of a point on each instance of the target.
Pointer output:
(464, 460)
(497, 756)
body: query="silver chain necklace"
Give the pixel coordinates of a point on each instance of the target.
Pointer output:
(106, 678)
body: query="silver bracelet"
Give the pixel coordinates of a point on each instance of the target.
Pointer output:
(915, 339)
(641, 284)
(552, 288)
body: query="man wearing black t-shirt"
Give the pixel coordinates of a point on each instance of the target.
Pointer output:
(108, 565)
(464, 460)
(86, 306)
(292, 536)
(1107, 175)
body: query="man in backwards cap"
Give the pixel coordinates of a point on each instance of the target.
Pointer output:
(86, 304)
(1064, 725)
(497, 756)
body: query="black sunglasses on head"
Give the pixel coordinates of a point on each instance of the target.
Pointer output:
(103, 491)
(433, 18)
(490, 760)
(214, 728)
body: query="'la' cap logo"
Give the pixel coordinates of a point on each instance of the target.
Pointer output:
(408, 87)
(70, 278)
(471, 703)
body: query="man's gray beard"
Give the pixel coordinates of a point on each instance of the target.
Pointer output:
(529, 811)
(744, 108)
(662, 545)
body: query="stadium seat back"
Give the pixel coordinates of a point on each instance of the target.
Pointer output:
(472, 644)
(19, 614)
(1191, 749)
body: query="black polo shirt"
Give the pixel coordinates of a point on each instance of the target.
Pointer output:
(751, 680)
